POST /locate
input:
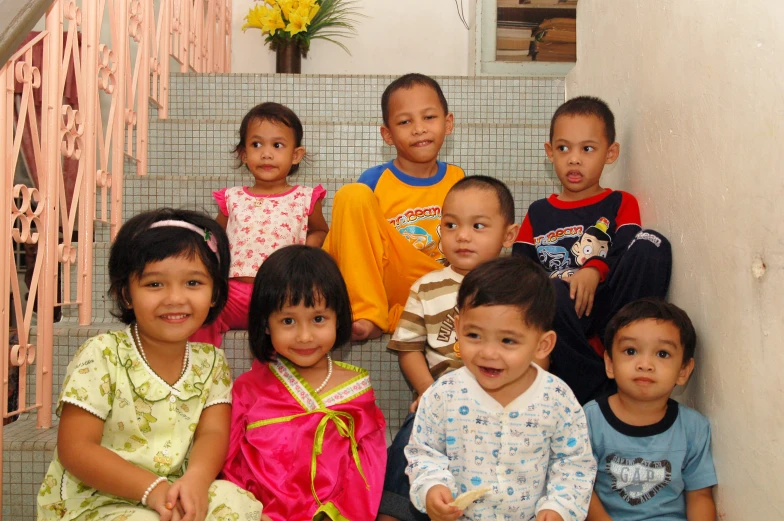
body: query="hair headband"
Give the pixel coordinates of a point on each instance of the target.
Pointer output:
(209, 238)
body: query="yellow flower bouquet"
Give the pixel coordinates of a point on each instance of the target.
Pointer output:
(299, 21)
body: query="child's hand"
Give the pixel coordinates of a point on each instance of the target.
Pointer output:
(157, 501)
(189, 495)
(582, 288)
(437, 504)
(414, 405)
(264, 518)
(549, 515)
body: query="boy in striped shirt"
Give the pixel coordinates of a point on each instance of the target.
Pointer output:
(477, 221)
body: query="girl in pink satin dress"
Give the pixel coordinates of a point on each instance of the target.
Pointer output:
(307, 438)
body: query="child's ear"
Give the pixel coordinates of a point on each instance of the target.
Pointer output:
(299, 154)
(612, 153)
(450, 123)
(546, 345)
(548, 149)
(685, 373)
(608, 366)
(386, 135)
(511, 235)
(126, 299)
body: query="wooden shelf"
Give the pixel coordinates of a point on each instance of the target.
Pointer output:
(490, 12)
(502, 5)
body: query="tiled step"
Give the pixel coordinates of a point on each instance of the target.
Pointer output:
(27, 452)
(484, 100)
(190, 147)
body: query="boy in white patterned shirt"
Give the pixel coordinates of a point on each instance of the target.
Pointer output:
(477, 222)
(501, 421)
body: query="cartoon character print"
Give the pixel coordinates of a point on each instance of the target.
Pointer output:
(144, 415)
(594, 242)
(49, 483)
(553, 258)
(224, 513)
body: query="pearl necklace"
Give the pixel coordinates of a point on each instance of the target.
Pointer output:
(184, 358)
(329, 375)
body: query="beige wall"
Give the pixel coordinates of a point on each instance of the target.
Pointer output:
(398, 36)
(696, 86)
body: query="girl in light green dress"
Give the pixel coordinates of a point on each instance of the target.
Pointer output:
(144, 414)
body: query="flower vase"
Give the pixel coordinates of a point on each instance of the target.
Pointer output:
(288, 58)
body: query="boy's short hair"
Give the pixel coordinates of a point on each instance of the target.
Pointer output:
(587, 106)
(483, 182)
(511, 281)
(656, 309)
(406, 82)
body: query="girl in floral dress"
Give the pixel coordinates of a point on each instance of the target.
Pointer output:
(271, 214)
(307, 438)
(144, 414)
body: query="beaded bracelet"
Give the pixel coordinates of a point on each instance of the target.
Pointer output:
(150, 489)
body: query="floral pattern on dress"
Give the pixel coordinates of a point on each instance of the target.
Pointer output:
(258, 225)
(148, 422)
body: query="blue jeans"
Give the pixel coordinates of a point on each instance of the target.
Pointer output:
(395, 500)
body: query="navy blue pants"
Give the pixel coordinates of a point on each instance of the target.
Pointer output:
(643, 271)
(395, 500)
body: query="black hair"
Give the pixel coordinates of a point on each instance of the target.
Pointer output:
(656, 309)
(511, 281)
(587, 106)
(483, 182)
(409, 81)
(137, 245)
(276, 113)
(290, 276)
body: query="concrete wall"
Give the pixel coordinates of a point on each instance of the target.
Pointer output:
(696, 87)
(398, 36)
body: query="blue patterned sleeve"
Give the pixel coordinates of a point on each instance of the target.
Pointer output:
(572, 467)
(428, 464)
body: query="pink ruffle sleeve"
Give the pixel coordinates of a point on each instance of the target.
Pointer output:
(220, 198)
(319, 193)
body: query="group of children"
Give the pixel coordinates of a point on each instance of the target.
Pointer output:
(542, 380)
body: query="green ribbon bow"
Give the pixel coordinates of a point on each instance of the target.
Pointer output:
(345, 425)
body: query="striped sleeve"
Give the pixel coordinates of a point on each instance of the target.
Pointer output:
(411, 332)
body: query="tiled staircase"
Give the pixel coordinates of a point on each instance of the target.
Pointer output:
(500, 125)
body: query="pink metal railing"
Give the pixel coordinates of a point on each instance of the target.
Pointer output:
(115, 77)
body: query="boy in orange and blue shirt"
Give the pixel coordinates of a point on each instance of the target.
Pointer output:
(384, 233)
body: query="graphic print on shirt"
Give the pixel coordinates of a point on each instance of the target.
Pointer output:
(638, 480)
(409, 225)
(447, 326)
(592, 242)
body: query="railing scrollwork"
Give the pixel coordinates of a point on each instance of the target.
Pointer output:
(75, 106)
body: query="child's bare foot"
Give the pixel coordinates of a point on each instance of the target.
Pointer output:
(364, 329)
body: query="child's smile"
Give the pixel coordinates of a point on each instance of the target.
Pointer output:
(498, 348)
(303, 334)
(171, 300)
(416, 127)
